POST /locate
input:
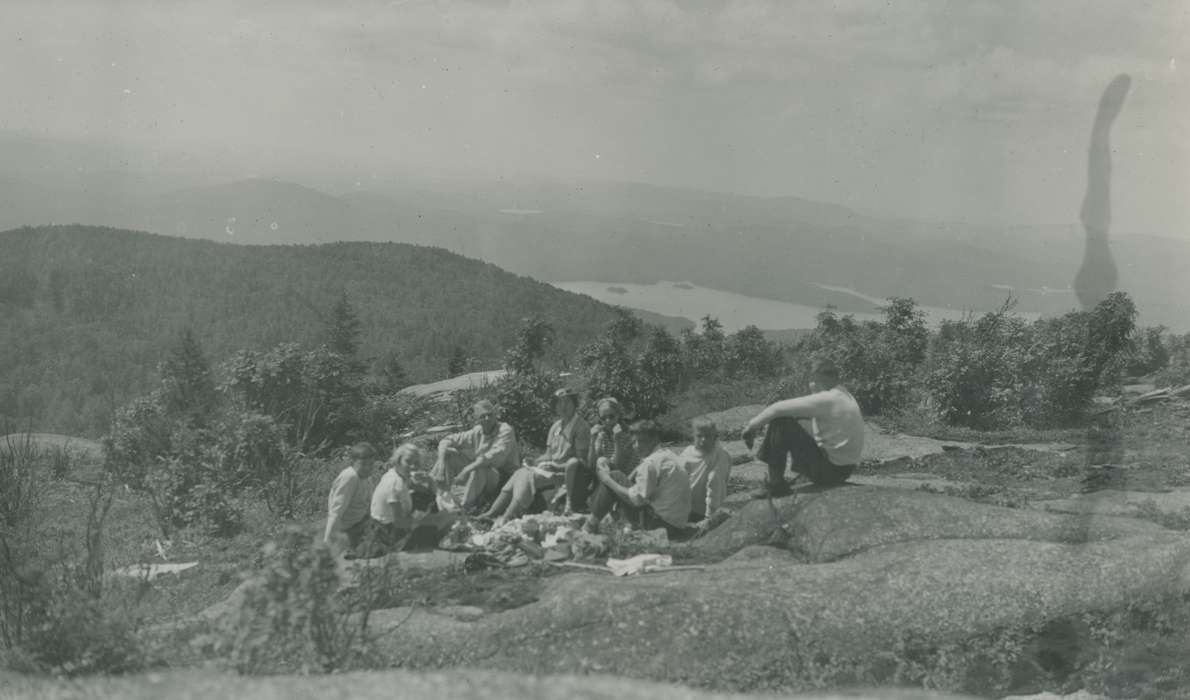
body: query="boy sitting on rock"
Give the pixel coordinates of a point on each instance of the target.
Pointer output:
(708, 466)
(347, 503)
(659, 494)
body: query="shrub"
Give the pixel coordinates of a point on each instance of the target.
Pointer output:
(293, 619)
(1177, 369)
(54, 616)
(21, 485)
(526, 400)
(315, 393)
(880, 361)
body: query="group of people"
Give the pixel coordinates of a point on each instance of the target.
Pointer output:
(609, 469)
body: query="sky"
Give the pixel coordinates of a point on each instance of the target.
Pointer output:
(971, 111)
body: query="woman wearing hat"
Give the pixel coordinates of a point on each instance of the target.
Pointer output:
(566, 447)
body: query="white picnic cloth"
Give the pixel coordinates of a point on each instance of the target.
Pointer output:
(639, 564)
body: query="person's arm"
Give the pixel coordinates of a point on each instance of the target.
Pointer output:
(801, 407)
(341, 492)
(718, 471)
(622, 455)
(645, 486)
(592, 439)
(402, 502)
(579, 448)
(604, 473)
(502, 447)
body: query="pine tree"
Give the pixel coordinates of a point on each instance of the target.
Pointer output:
(189, 387)
(457, 363)
(343, 330)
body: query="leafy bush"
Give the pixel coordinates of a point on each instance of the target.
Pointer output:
(315, 393)
(998, 371)
(1177, 369)
(526, 400)
(880, 361)
(54, 616)
(293, 618)
(20, 483)
(974, 370)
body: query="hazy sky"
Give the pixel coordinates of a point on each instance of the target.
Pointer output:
(972, 109)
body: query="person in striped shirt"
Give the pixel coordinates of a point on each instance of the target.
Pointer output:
(609, 440)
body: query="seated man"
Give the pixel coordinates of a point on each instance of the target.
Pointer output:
(828, 454)
(659, 495)
(609, 439)
(347, 505)
(392, 503)
(479, 458)
(708, 465)
(566, 446)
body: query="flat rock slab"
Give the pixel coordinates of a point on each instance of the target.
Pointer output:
(909, 481)
(828, 524)
(46, 441)
(463, 382)
(755, 620)
(388, 685)
(1174, 503)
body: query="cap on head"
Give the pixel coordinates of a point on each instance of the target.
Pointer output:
(566, 393)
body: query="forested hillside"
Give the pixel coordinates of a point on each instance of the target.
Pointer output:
(86, 313)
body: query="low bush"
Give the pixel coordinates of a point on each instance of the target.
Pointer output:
(56, 616)
(293, 619)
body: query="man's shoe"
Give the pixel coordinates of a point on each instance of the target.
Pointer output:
(769, 491)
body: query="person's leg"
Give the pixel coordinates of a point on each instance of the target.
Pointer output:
(447, 467)
(481, 487)
(503, 499)
(525, 485)
(578, 487)
(603, 501)
(782, 437)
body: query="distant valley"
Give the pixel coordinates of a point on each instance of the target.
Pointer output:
(782, 249)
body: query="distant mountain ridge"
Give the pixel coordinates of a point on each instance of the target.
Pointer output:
(88, 312)
(772, 247)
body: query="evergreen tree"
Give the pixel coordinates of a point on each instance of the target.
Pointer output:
(189, 388)
(343, 330)
(388, 374)
(457, 363)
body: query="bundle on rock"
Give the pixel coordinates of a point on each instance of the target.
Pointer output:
(533, 537)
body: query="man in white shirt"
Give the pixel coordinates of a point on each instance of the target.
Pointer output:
(656, 495)
(828, 453)
(479, 459)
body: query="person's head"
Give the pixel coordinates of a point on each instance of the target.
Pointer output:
(609, 411)
(824, 375)
(485, 414)
(565, 403)
(405, 458)
(706, 434)
(363, 458)
(646, 436)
